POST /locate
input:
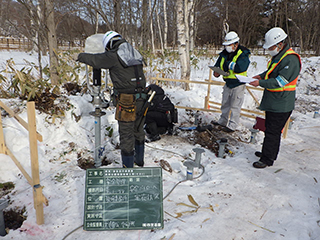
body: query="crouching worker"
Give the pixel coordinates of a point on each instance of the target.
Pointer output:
(161, 115)
(125, 66)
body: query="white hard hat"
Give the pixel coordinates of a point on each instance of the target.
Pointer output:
(274, 36)
(231, 37)
(108, 36)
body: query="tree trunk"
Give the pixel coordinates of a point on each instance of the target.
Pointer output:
(34, 28)
(151, 27)
(160, 31)
(39, 45)
(190, 10)
(52, 42)
(117, 13)
(183, 42)
(165, 30)
(97, 22)
(144, 26)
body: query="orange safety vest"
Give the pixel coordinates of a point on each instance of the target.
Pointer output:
(291, 86)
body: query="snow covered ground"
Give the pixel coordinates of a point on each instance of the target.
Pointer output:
(280, 202)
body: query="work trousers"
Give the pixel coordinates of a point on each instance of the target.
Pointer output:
(232, 100)
(132, 132)
(274, 124)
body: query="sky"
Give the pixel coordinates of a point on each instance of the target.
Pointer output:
(235, 201)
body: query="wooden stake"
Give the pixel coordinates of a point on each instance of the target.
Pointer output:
(37, 189)
(286, 127)
(2, 143)
(207, 98)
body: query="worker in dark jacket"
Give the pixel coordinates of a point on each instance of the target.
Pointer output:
(161, 115)
(234, 59)
(279, 83)
(125, 66)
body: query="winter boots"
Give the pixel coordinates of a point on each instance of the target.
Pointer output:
(127, 160)
(137, 157)
(139, 153)
(259, 164)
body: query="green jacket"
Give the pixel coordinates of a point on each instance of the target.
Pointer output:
(122, 76)
(240, 66)
(286, 71)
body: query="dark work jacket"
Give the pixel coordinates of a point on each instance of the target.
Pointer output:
(122, 77)
(289, 69)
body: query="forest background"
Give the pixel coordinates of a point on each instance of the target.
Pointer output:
(158, 26)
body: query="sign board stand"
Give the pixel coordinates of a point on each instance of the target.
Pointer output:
(123, 199)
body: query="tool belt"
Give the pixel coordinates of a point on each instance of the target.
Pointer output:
(126, 108)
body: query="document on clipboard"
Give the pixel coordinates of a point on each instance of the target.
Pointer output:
(244, 79)
(219, 70)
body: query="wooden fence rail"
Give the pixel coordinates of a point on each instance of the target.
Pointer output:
(25, 44)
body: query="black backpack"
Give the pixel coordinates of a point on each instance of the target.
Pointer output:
(161, 103)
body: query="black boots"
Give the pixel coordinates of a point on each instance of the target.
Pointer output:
(137, 157)
(127, 160)
(258, 154)
(139, 153)
(262, 162)
(259, 164)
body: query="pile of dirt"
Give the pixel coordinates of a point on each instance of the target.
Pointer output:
(86, 162)
(211, 137)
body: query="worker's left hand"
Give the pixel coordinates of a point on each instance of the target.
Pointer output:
(255, 83)
(216, 74)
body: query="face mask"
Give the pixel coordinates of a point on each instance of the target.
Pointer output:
(273, 52)
(229, 49)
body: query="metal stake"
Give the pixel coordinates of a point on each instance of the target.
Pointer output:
(97, 130)
(190, 166)
(196, 118)
(3, 205)
(198, 152)
(253, 135)
(222, 143)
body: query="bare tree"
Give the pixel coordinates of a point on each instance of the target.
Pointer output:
(151, 26)
(207, 20)
(165, 19)
(183, 41)
(144, 24)
(52, 42)
(159, 28)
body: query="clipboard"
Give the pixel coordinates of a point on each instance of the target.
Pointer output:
(219, 70)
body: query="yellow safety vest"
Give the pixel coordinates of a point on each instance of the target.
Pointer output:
(291, 86)
(232, 74)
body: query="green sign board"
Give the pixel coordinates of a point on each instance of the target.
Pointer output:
(123, 198)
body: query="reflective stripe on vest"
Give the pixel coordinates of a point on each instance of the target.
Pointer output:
(291, 86)
(231, 72)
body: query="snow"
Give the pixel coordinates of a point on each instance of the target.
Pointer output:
(279, 202)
